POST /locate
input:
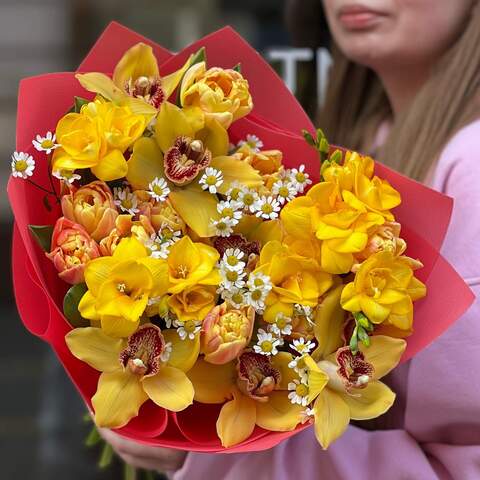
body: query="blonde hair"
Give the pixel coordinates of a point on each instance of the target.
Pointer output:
(449, 100)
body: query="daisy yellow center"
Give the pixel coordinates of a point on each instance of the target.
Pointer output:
(21, 165)
(211, 180)
(248, 199)
(167, 234)
(232, 276)
(301, 390)
(267, 208)
(158, 190)
(300, 177)
(221, 226)
(227, 212)
(258, 282)
(281, 322)
(234, 193)
(237, 298)
(283, 191)
(256, 295)
(266, 346)
(301, 347)
(232, 260)
(47, 143)
(190, 326)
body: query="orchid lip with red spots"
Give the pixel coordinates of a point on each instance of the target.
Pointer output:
(185, 160)
(353, 369)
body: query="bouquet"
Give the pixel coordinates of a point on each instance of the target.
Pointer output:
(215, 275)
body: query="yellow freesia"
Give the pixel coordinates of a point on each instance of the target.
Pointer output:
(136, 81)
(135, 370)
(97, 138)
(322, 216)
(221, 94)
(185, 143)
(255, 388)
(119, 287)
(295, 279)
(343, 385)
(384, 289)
(191, 263)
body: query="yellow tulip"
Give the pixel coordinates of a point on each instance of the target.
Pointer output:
(221, 94)
(119, 287)
(136, 81)
(384, 289)
(255, 388)
(133, 371)
(97, 138)
(295, 279)
(191, 264)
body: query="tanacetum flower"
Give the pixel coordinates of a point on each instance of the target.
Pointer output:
(45, 144)
(232, 259)
(252, 141)
(302, 346)
(282, 325)
(232, 278)
(248, 198)
(223, 227)
(67, 176)
(211, 179)
(230, 209)
(234, 296)
(267, 208)
(233, 192)
(267, 343)
(134, 370)
(187, 329)
(23, 165)
(284, 190)
(299, 392)
(158, 189)
(299, 178)
(126, 200)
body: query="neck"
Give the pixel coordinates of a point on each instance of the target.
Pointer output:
(402, 85)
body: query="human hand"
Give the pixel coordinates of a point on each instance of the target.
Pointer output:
(143, 456)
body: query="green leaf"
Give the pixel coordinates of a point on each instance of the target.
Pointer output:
(106, 456)
(43, 235)
(78, 104)
(336, 156)
(93, 438)
(238, 68)
(70, 305)
(308, 138)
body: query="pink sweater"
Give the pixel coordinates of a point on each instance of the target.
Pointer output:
(433, 430)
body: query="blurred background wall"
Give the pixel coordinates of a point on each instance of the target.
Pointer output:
(41, 428)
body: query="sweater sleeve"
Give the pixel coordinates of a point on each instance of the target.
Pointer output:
(440, 438)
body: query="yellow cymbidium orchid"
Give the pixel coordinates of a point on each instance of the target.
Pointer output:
(352, 390)
(136, 81)
(135, 370)
(97, 138)
(255, 388)
(119, 287)
(295, 279)
(185, 143)
(384, 289)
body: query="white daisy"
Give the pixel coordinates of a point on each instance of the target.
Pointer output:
(158, 248)
(230, 209)
(284, 190)
(299, 178)
(253, 142)
(167, 351)
(232, 278)
(298, 365)
(256, 299)
(259, 280)
(67, 176)
(248, 198)
(267, 207)
(301, 346)
(282, 325)
(267, 344)
(168, 234)
(126, 200)
(189, 328)
(23, 165)
(211, 179)
(298, 392)
(307, 415)
(235, 296)
(223, 227)
(232, 259)
(234, 191)
(158, 189)
(45, 144)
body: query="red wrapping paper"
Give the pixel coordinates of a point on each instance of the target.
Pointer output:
(278, 120)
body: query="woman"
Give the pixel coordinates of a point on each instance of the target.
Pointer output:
(405, 85)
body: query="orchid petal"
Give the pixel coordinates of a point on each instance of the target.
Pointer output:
(384, 353)
(184, 352)
(145, 164)
(278, 414)
(234, 170)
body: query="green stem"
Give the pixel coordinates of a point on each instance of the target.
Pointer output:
(106, 456)
(129, 472)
